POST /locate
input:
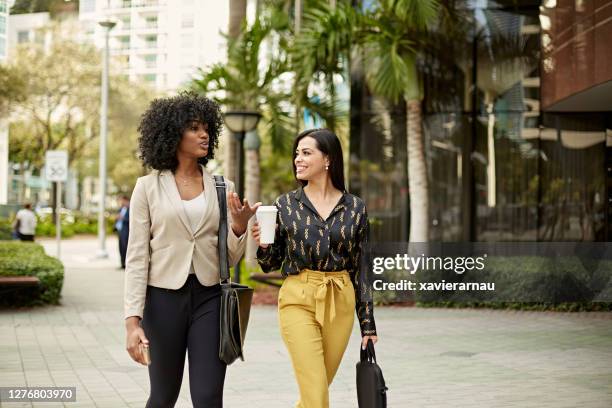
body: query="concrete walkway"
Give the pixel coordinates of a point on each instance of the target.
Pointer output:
(430, 357)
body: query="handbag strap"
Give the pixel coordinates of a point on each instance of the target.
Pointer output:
(368, 354)
(222, 243)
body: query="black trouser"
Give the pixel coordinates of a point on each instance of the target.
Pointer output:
(179, 320)
(26, 237)
(123, 243)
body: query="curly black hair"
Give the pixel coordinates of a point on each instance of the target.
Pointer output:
(163, 123)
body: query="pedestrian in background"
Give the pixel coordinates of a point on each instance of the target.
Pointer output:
(25, 223)
(122, 226)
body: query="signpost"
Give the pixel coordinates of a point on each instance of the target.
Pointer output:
(56, 169)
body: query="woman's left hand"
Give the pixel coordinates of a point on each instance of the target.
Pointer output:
(241, 213)
(364, 341)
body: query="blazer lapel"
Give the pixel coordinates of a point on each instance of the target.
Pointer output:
(210, 193)
(169, 187)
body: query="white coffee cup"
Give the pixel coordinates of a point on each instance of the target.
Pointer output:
(266, 217)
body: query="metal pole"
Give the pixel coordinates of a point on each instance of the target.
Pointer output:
(102, 253)
(58, 222)
(240, 189)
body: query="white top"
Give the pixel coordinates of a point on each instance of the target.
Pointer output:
(27, 221)
(195, 210)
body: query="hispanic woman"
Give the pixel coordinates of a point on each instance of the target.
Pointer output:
(321, 233)
(172, 290)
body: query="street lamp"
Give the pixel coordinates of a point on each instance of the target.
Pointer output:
(239, 123)
(102, 253)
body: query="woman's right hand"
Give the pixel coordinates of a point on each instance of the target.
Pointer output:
(135, 336)
(255, 231)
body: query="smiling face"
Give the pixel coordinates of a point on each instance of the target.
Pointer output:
(194, 142)
(309, 161)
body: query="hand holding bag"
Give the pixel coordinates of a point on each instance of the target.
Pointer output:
(235, 298)
(371, 388)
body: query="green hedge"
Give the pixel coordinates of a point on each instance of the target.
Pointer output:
(29, 259)
(6, 229)
(82, 225)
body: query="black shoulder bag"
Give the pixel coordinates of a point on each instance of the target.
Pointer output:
(371, 388)
(235, 298)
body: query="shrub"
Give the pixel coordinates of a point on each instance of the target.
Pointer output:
(29, 259)
(6, 229)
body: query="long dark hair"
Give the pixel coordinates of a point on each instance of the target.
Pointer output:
(329, 144)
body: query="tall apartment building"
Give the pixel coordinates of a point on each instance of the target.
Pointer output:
(159, 41)
(4, 10)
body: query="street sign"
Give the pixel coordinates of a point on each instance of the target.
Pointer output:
(56, 164)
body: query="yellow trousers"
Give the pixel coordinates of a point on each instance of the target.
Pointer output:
(316, 311)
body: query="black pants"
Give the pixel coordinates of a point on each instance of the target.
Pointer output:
(25, 237)
(175, 321)
(123, 243)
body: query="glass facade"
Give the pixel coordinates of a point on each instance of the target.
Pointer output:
(501, 168)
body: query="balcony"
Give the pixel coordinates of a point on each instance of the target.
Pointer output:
(128, 4)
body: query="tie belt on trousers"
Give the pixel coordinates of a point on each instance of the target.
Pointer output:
(325, 282)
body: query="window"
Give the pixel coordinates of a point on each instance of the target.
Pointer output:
(23, 36)
(150, 77)
(2, 46)
(127, 3)
(125, 42)
(150, 61)
(187, 21)
(2, 25)
(187, 41)
(2, 6)
(125, 23)
(151, 41)
(151, 22)
(85, 6)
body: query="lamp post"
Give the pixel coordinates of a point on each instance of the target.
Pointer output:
(102, 253)
(240, 122)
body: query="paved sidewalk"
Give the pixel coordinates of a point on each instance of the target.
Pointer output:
(430, 357)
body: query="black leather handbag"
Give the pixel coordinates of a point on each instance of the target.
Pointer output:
(371, 388)
(235, 298)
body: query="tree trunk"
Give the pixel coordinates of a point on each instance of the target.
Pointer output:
(491, 177)
(253, 194)
(297, 27)
(237, 15)
(417, 174)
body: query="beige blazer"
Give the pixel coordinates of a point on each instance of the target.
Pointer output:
(161, 244)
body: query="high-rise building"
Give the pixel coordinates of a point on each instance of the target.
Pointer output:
(29, 28)
(161, 42)
(4, 10)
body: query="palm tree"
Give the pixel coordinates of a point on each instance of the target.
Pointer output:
(391, 36)
(253, 79)
(237, 19)
(321, 51)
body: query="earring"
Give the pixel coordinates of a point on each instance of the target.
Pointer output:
(326, 167)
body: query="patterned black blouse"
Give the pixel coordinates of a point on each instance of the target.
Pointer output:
(305, 241)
